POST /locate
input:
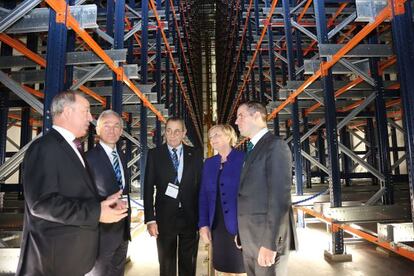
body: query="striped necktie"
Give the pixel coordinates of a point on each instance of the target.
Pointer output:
(117, 169)
(174, 157)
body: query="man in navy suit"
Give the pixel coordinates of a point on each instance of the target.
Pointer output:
(62, 208)
(174, 169)
(108, 169)
(265, 216)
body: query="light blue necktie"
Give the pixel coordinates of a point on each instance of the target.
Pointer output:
(117, 169)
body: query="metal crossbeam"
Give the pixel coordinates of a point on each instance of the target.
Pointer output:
(361, 162)
(21, 10)
(38, 19)
(314, 161)
(19, 91)
(357, 71)
(355, 112)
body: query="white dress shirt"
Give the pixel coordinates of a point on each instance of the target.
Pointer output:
(69, 137)
(108, 151)
(258, 136)
(180, 160)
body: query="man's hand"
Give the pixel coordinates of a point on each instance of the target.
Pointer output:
(237, 242)
(152, 229)
(113, 209)
(266, 257)
(205, 234)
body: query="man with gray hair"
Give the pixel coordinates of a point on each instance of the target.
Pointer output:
(62, 206)
(107, 165)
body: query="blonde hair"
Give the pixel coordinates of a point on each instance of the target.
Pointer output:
(228, 130)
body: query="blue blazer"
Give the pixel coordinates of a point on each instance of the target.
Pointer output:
(229, 185)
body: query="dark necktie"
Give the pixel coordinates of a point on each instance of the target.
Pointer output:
(249, 147)
(78, 145)
(117, 169)
(174, 157)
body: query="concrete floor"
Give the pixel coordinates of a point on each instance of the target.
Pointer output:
(308, 260)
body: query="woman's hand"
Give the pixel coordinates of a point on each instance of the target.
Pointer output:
(205, 234)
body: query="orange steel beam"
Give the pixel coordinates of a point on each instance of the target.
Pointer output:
(330, 23)
(305, 9)
(19, 46)
(32, 122)
(259, 43)
(34, 92)
(352, 84)
(238, 54)
(402, 251)
(393, 103)
(62, 9)
(351, 106)
(180, 82)
(325, 66)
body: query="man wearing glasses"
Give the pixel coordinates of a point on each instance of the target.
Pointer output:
(173, 172)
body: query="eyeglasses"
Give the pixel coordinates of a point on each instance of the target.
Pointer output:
(173, 132)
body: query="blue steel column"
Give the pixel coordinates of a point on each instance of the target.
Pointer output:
(371, 139)
(128, 148)
(331, 130)
(252, 95)
(260, 58)
(321, 153)
(25, 135)
(273, 84)
(306, 148)
(382, 129)
(297, 156)
(346, 162)
(5, 50)
(403, 41)
(158, 85)
(70, 47)
(170, 24)
(144, 79)
(174, 96)
(395, 148)
(55, 70)
(119, 25)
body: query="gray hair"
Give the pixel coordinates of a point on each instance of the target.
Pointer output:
(62, 100)
(107, 113)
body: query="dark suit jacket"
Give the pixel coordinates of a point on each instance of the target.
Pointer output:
(264, 201)
(102, 172)
(159, 172)
(229, 185)
(60, 233)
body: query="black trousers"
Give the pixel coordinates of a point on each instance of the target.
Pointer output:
(183, 242)
(110, 263)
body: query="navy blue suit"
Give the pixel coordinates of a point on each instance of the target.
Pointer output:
(113, 237)
(229, 181)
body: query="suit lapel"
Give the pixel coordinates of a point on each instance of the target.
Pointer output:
(253, 154)
(166, 159)
(187, 156)
(75, 160)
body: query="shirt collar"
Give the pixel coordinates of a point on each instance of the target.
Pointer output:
(69, 136)
(258, 136)
(107, 148)
(178, 148)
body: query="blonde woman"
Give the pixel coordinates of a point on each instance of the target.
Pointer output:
(218, 199)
